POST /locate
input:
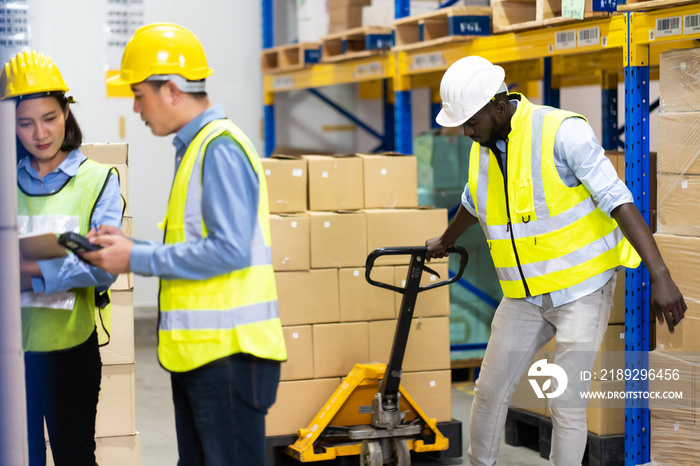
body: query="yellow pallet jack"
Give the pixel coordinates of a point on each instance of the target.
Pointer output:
(370, 414)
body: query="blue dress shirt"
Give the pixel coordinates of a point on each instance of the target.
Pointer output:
(229, 210)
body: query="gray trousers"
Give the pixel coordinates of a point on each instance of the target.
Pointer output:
(520, 329)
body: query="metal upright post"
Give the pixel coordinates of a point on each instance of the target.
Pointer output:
(611, 140)
(637, 285)
(402, 92)
(435, 105)
(550, 94)
(268, 26)
(13, 412)
(389, 140)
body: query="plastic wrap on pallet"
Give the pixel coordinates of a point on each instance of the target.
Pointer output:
(674, 422)
(679, 80)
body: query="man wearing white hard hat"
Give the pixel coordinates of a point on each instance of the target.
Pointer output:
(559, 224)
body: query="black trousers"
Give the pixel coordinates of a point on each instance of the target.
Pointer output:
(63, 387)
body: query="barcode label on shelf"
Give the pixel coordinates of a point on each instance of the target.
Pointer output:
(565, 40)
(369, 69)
(691, 24)
(282, 82)
(668, 26)
(590, 36)
(427, 60)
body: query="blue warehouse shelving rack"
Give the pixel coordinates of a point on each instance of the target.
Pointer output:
(628, 42)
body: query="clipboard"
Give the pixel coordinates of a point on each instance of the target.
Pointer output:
(39, 247)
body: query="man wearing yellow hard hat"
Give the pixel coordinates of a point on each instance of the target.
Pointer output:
(219, 332)
(559, 224)
(58, 190)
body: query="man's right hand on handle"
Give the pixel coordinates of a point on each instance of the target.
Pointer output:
(436, 248)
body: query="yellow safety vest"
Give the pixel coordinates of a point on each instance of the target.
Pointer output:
(63, 320)
(541, 232)
(206, 320)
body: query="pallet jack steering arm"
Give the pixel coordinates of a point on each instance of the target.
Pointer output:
(392, 377)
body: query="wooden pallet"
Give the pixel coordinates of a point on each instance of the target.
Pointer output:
(519, 15)
(446, 25)
(646, 5)
(465, 369)
(356, 43)
(526, 429)
(290, 57)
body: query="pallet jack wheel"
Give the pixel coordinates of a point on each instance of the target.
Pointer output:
(371, 453)
(402, 454)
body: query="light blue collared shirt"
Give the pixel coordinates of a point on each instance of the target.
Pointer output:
(579, 159)
(70, 272)
(229, 210)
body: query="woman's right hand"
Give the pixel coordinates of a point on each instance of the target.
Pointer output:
(436, 248)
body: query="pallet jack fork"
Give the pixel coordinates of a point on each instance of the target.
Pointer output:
(370, 414)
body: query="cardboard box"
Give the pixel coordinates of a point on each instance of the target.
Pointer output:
(108, 154)
(335, 182)
(427, 349)
(116, 409)
(389, 180)
(681, 254)
(679, 143)
(684, 368)
(678, 210)
(617, 312)
(290, 241)
(606, 417)
(431, 391)
(344, 17)
(297, 403)
(431, 303)
(685, 336)
(308, 297)
(123, 172)
(679, 82)
(120, 349)
(300, 357)
(403, 227)
(338, 347)
(673, 442)
(286, 183)
(611, 355)
(112, 451)
(125, 281)
(338, 239)
(360, 301)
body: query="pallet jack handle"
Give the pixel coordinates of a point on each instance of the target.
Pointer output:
(417, 253)
(392, 377)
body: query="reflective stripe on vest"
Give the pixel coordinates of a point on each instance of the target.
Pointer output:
(62, 320)
(205, 320)
(552, 236)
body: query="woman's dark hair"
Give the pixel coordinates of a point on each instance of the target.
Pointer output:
(73, 136)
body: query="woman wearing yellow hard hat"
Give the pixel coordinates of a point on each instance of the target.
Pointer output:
(59, 190)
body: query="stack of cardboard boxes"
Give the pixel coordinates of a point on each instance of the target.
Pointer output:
(118, 443)
(674, 425)
(312, 20)
(329, 212)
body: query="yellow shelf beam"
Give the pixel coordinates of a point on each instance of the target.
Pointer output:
(519, 46)
(328, 74)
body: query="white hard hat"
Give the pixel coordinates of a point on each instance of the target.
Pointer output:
(468, 85)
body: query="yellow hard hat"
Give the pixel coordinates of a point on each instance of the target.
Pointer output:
(162, 49)
(30, 72)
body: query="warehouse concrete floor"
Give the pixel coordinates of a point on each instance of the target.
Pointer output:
(155, 418)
